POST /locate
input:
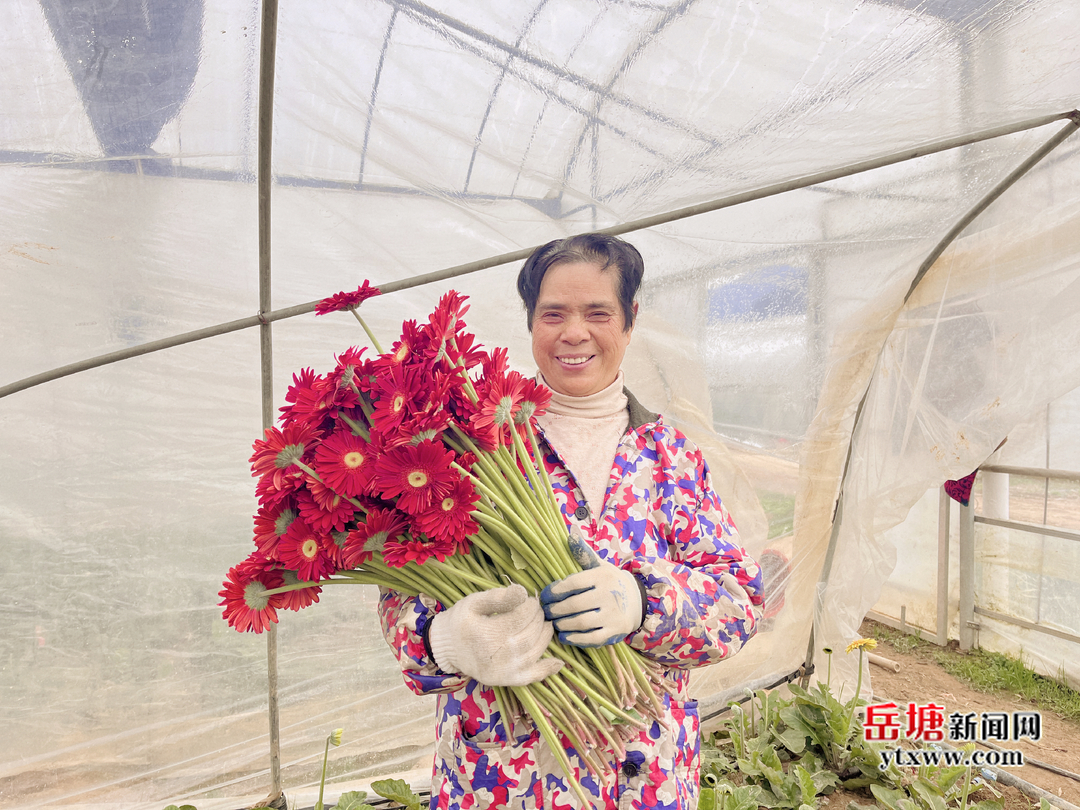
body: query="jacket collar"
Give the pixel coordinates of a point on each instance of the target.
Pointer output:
(639, 414)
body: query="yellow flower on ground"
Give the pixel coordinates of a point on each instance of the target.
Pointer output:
(859, 644)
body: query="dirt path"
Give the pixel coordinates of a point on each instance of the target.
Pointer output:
(922, 680)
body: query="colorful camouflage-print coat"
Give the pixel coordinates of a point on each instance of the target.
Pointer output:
(662, 522)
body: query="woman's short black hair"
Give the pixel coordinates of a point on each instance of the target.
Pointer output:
(593, 248)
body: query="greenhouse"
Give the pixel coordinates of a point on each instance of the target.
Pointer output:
(860, 221)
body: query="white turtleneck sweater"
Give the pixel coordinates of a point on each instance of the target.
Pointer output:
(586, 432)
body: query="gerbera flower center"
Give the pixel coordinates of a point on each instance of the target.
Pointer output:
(503, 410)
(353, 459)
(401, 353)
(447, 504)
(310, 548)
(417, 479)
(255, 596)
(398, 403)
(288, 455)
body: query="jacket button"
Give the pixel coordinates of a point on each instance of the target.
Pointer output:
(581, 512)
(629, 769)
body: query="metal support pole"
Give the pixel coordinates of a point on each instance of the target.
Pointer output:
(265, 182)
(944, 513)
(967, 576)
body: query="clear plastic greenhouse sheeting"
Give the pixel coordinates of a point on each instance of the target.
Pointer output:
(408, 139)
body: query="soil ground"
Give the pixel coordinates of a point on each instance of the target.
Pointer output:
(922, 680)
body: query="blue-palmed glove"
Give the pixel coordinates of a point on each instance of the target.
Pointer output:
(600, 605)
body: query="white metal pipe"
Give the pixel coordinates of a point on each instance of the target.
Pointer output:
(967, 576)
(944, 513)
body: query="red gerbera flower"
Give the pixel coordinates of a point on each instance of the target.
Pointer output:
(272, 493)
(500, 399)
(247, 607)
(417, 428)
(342, 386)
(412, 344)
(276, 455)
(465, 351)
(368, 538)
(395, 394)
(496, 364)
(347, 300)
(300, 598)
(415, 475)
(271, 523)
(534, 401)
(322, 508)
(345, 463)
(398, 553)
(304, 551)
(449, 518)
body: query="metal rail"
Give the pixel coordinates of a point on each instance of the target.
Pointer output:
(1031, 528)
(968, 519)
(1073, 116)
(1032, 472)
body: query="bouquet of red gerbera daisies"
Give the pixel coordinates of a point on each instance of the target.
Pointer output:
(419, 470)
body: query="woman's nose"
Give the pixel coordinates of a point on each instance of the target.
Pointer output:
(575, 332)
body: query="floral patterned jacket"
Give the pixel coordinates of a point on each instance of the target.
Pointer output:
(662, 522)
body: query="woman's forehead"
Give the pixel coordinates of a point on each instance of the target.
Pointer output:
(578, 284)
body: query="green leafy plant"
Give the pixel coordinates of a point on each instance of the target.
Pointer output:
(397, 790)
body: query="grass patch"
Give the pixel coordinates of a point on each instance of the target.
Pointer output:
(991, 672)
(901, 642)
(780, 510)
(987, 671)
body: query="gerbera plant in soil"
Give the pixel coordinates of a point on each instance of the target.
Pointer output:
(418, 469)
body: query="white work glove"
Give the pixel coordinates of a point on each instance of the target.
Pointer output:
(495, 637)
(600, 605)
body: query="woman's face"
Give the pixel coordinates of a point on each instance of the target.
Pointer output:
(577, 330)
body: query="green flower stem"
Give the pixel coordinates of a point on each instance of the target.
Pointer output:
(504, 566)
(858, 691)
(490, 546)
(632, 661)
(365, 406)
(440, 589)
(299, 586)
(574, 731)
(374, 340)
(599, 697)
(547, 488)
(322, 783)
(546, 731)
(356, 427)
(453, 570)
(524, 541)
(624, 681)
(504, 715)
(525, 498)
(489, 470)
(553, 518)
(559, 687)
(315, 476)
(967, 789)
